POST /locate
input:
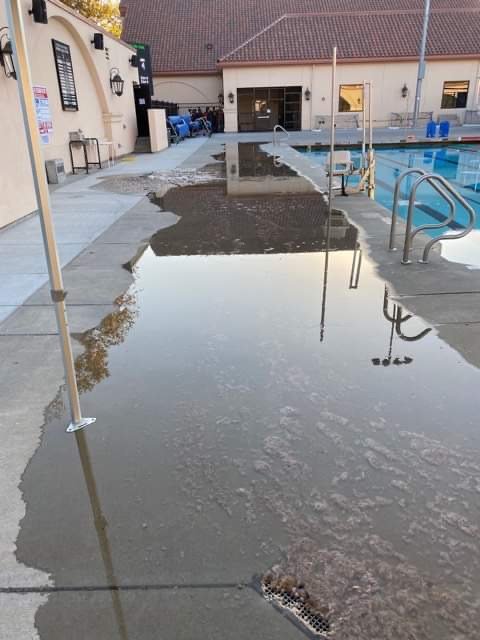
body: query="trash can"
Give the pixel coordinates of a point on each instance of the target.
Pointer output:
(444, 129)
(55, 171)
(431, 128)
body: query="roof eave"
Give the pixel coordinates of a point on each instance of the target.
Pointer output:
(281, 63)
(196, 72)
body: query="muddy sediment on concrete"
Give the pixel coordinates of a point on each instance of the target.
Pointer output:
(213, 222)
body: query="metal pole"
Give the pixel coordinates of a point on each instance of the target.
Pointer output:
(371, 158)
(421, 63)
(14, 15)
(364, 125)
(330, 194)
(332, 134)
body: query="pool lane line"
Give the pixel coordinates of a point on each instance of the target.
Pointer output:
(433, 213)
(465, 195)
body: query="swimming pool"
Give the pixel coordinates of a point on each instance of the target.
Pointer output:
(459, 165)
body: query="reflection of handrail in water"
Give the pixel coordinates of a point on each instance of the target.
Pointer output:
(356, 266)
(396, 319)
(398, 328)
(385, 309)
(101, 528)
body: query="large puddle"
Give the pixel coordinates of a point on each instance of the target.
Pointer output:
(270, 408)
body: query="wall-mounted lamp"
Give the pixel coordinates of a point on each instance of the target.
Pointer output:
(308, 94)
(404, 91)
(221, 98)
(231, 98)
(98, 41)
(39, 11)
(133, 61)
(116, 82)
(6, 54)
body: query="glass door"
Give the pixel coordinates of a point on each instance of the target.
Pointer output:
(260, 109)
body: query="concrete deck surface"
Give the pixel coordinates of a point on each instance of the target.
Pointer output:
(98, 232)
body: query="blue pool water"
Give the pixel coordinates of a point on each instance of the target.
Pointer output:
(460, 165)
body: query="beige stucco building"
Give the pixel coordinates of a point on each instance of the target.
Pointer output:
(270, 61)
(388, 80)
(100, 113)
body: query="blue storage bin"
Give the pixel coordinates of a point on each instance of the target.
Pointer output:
(444, 129)
(431, 129)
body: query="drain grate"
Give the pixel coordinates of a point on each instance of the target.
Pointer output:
(295, 599)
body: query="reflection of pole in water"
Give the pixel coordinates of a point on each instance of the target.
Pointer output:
(101, 529)
(325, 280)
(330, 191)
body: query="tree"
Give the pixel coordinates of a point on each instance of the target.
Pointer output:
(105, 13)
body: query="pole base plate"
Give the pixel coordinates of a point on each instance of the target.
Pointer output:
(81, 424)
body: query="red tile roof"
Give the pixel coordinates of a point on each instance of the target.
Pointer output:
(189, 36)
(374, 35)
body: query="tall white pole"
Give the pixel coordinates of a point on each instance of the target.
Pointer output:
(332, 133)
(364, 125)
(421, 63)
(371, 158)
(17, 32)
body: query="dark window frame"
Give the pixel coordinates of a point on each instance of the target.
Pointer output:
(349, 84)
(65, 75)
(461, 97)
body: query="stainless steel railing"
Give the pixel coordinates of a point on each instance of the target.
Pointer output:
(278, 127)
(396, 196)
(447, 192)
(432, 178)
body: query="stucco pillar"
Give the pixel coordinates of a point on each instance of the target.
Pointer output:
(157, 123)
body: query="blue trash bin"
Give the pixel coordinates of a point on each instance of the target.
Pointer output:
(431, 128)
(444, 129)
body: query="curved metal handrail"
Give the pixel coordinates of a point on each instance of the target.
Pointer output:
(396, 194)
(275, 129)
(409, 235)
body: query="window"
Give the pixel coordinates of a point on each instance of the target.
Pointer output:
(455, 95)
(66, 80)
(351, 97)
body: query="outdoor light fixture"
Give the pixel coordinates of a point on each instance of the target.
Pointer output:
(308, 94)
(6, 54)
(231, 98)
(39, 11)
(221, 98)
(116, 82)
(98, 41)
(404, 91)
(133, 61)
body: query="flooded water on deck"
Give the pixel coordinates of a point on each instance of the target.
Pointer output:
(268, 412)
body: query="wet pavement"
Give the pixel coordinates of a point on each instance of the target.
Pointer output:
(269, 407)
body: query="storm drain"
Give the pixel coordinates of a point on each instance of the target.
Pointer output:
(296, 604)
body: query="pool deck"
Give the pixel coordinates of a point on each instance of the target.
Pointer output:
(96, 238)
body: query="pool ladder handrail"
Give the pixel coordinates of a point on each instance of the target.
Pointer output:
(276, 128)
(431, 178)
(396, 195)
